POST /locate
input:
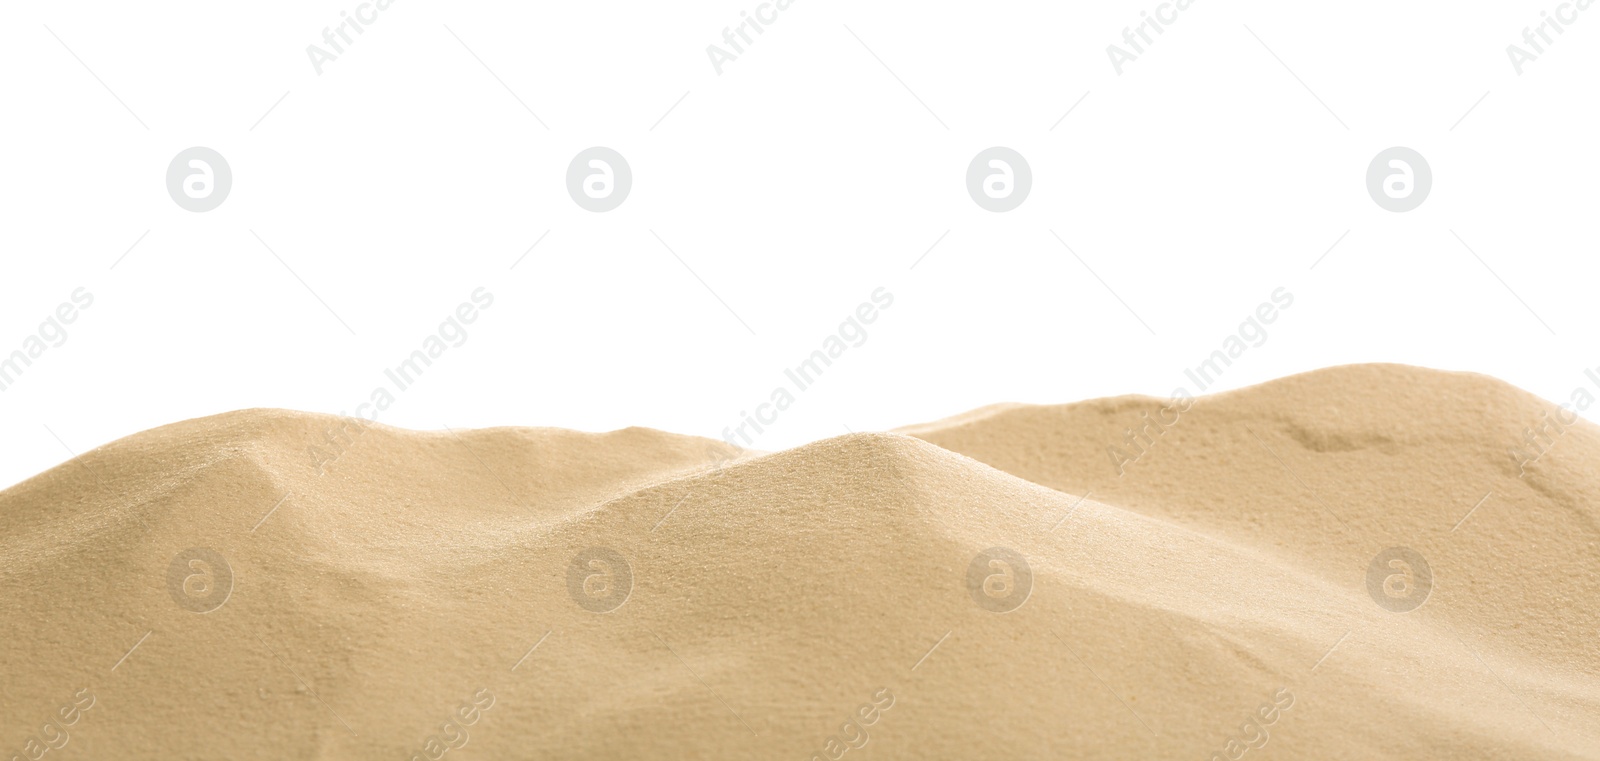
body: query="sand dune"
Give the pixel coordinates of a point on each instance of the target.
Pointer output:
(273, 585)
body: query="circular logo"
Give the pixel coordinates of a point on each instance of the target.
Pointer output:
(599, 179)
(1399, 579)
(999, 179)
(1399, 179)
(599, 580)
(199, 580)
(999, 580)
(198, 179)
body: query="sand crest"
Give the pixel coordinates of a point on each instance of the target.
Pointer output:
(1345, 564)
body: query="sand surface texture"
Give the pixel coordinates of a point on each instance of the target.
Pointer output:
(1368, 562)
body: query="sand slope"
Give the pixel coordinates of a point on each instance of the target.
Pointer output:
(818, 601)
(1327, 469)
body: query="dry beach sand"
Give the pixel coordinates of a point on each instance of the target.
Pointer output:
(280, 585)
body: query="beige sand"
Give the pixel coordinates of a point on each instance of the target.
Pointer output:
(420, 599)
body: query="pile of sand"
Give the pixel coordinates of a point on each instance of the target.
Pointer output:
(1343, 564)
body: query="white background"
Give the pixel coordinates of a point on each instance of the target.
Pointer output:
(794, 184)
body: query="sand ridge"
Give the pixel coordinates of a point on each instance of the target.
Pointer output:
(982, 587)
